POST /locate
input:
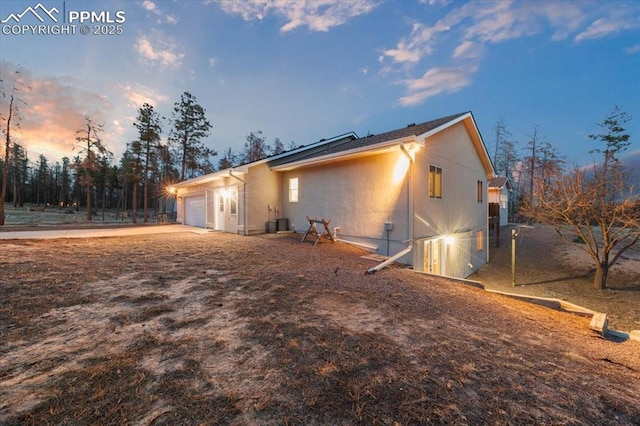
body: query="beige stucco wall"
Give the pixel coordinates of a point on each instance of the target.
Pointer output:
(457, 213)
(358, 195)
(263, 195)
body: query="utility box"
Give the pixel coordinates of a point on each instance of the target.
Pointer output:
(283, 224)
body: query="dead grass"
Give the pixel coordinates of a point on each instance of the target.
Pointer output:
(221, 329)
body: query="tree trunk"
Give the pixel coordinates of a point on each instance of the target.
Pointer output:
(134, 203)
(145, 198)
(5, 169)
(89, 203)
(600, 279)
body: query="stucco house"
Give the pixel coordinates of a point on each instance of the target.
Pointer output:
(417, 194)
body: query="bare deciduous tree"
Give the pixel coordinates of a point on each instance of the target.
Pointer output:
(12, 114)
(256, 147)
(597, 206)
(575, 205)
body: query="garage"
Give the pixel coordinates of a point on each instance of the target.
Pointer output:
(195, 211)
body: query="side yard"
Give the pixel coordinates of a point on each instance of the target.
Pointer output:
(222, 329)
(547, 266)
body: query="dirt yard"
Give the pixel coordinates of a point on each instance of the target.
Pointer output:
(548, 266)
(222, 329)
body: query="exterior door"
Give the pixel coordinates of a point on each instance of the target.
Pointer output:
(433, 256)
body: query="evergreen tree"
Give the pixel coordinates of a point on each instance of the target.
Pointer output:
(92, 147)
(228, 159)
(148, 125)
(616, 141)
(190, 127)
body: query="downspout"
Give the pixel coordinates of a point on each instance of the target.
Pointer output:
(206, 205)
(390, 260)
(244, 199)
(411, 216)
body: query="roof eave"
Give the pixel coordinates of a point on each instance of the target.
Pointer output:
(367, 150)
(211, 177)
(478, 143)
(421, 137)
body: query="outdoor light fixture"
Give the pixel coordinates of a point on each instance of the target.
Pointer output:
(449, 239)
(412, 151)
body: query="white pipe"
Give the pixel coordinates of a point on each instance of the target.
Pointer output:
(390, 260)
(369, 247)
(244, 200)
(235, 177)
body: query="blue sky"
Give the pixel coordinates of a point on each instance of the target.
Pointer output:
(305, 70)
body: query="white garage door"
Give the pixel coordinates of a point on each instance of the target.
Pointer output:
(194, 211)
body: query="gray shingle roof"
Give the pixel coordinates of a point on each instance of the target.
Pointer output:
(351, 142)
(498, 182)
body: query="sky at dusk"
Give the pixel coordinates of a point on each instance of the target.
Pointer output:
(306, 70)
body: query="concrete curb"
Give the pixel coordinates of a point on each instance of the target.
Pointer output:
(100, 232)
(599, 322)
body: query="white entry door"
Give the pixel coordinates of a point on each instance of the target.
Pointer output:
(220, 206)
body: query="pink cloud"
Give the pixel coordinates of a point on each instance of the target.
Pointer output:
(50, 111)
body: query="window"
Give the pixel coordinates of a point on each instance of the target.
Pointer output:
(435, 182)
(503, 201)
(479, 240)
(233, 202)
(293, 190)
(479, 191)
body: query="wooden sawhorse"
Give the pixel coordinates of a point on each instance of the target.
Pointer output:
(314, 231)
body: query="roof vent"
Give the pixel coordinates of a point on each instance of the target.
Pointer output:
(411, 125)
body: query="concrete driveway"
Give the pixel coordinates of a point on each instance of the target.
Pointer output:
(7, 234)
